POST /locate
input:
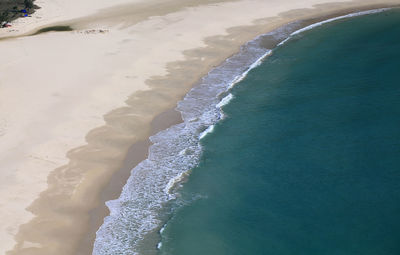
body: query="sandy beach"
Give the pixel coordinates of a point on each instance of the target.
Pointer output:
(77, 107)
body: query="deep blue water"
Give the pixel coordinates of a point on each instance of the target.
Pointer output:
(307, 160)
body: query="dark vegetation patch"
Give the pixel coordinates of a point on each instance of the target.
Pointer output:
(53, 29)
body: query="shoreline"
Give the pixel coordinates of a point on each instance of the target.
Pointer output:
(290, 29)
(142, 143)
(217, 202)
(136, 154)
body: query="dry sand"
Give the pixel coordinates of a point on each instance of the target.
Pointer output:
(73, 103)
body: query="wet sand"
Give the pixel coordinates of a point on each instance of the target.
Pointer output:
(65, 149)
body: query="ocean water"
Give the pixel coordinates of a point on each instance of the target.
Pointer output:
(307, 158)
(292, 150)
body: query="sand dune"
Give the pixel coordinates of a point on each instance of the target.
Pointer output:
(72, 103)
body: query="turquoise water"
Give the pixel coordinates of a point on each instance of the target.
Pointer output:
(307, 159)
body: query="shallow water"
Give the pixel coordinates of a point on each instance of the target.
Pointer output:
(307, 157)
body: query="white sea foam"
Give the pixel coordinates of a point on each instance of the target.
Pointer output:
(284, 41)
(243, 75)
(331, 20)
(209, 130)
(173, 182)
(174, 152)
(162, 229)
(159, 245)
(225, 101)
